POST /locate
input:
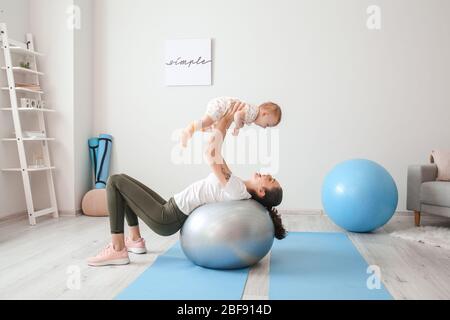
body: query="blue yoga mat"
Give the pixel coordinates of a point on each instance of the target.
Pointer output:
(100, 155)
(322, 266)
(173, 277)
(103, 161)
(93, 150)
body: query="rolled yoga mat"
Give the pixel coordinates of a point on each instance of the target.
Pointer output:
(173, 277)
(93, 150)
(322, 266)
(103, 161)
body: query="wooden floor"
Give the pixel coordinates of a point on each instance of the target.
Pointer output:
(37, 262)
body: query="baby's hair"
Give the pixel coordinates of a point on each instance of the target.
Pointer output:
(274, 108)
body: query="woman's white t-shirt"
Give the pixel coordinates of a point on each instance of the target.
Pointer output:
(210, 190)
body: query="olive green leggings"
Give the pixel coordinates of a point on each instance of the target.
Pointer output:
(130, 199)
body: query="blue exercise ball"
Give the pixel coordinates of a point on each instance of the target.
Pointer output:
(227, 235)
(359, 195)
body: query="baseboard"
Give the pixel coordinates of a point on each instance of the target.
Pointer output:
(14, 216)
(286, 212)
(404, 213)
(24, 215)
(70, 213)
(311, 212)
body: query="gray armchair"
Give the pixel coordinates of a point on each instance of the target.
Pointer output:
(425, 194)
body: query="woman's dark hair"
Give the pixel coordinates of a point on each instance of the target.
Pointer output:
(271, 199)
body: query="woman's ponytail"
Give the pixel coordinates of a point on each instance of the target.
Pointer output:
(271, 199)
(280, 231)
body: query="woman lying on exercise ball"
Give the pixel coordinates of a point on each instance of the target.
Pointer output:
(130, 199)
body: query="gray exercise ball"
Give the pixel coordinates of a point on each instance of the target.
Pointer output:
(227, 235)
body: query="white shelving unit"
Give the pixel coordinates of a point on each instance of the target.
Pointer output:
(28, 109)
(12, 47)
(30, 169)
(24, 90)
(16, 48)
(30, 139)
(24, 70)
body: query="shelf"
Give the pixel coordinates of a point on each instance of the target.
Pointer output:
(25, 51)
(23, 82)
(29, 139)
(20, 89)
(24, 70)
(29, 109)
(29, 169)
(43, 212)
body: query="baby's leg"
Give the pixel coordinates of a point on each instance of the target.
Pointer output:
(200, 125)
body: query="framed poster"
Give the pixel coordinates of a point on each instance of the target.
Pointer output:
(188, 62)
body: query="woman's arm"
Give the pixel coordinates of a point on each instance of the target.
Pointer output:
(214, 150)
(239, 120)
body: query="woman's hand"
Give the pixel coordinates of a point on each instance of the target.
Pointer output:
(224, 123)
(228, 117)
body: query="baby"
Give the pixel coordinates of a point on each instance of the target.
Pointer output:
(265, 115)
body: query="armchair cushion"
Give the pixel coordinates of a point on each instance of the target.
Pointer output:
(442, 160)
(435, 193)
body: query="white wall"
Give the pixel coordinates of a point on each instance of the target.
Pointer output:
(346, 91)
(83, 100)
(15, 15)
(68, 65)
(48, 22)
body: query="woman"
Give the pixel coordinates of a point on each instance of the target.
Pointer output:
(130, 199)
